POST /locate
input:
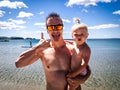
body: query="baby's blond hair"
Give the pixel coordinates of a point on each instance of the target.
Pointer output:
(78, 26)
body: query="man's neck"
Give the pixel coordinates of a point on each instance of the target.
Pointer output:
(58, 44)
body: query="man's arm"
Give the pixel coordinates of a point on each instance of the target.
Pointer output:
(26, 58)
(30, 56)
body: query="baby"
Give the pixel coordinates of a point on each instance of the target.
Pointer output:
(80, 54)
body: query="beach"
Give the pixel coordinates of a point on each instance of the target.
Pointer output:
(104, 63)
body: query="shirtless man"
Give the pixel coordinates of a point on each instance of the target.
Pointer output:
(55, 58)
(81, 53)
(55, 55)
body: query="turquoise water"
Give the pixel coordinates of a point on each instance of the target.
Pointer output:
(104, 63)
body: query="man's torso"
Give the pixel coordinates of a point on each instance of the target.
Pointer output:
(56, 63)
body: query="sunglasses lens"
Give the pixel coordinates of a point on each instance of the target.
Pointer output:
(56, 27)
(50, 27)
(59, 27)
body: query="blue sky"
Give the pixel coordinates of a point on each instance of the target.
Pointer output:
(26, 18)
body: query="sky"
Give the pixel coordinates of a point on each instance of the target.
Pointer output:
(26, 18)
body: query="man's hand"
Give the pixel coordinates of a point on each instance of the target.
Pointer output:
(70, 75)
(78, 80)
(42, 45)
(73, 83)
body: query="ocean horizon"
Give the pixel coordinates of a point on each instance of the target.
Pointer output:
(104, 64)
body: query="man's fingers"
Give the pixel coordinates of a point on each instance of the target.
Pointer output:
(42, 45)
(42, 35)
(70, 81)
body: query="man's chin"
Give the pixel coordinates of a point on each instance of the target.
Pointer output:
(56, 39)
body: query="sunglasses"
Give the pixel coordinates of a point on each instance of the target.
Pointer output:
(55, 27)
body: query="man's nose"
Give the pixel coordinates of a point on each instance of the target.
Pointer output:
(55, 28)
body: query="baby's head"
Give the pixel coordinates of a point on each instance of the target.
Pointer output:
(79, 33)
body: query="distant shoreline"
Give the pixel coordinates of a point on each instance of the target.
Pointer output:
(2, 38)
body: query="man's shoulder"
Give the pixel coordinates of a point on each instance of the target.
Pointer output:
(69, 42)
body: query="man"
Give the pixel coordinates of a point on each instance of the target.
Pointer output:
(55, 55)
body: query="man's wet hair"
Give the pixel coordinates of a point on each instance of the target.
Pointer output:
(53, 14)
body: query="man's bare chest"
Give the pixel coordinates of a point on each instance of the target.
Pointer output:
(56, 59)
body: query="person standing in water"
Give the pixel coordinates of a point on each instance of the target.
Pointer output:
(55, 55)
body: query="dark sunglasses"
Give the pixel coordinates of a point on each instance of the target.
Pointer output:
(53, 27)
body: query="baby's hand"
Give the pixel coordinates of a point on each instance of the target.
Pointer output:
(69, 75)
(73, 83)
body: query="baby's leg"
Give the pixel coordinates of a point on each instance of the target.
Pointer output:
(79, 88)
(70, 87)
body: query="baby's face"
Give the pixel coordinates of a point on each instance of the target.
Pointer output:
(80, 36)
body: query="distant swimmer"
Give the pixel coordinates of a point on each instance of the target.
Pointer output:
(30, 43)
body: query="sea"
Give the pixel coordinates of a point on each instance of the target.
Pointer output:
(104, 63)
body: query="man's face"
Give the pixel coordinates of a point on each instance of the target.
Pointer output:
(80, 36)
(54, 28)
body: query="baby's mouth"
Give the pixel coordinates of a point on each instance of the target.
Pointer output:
(79, 39)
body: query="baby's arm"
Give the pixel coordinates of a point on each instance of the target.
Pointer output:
(76, 72)
(77, 81)
(85, 60)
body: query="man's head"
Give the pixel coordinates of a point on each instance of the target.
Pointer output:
(79, 33)
(54, 26)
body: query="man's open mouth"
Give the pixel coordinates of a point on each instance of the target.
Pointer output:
(56, 35)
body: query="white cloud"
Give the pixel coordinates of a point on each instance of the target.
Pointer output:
(66, 20)
(2, 13)
(84, 10)
(10, 25)
(42, 12)
(39, 24)
(42, 25)
(12, 5)
(17, 21)
(24, 14)
(104, 26)
(117, 12)
(9, 12)
(86, 2)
